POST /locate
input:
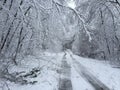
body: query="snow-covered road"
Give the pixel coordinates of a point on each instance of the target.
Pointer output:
(66, 71)
(65, 75)
(89, 78)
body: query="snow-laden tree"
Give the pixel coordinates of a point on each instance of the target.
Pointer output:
(19, 33)
(105, 19)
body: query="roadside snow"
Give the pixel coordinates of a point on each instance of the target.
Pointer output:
(48, 78)
(103, 71)
(46, 81)
(78, 82)
(50, 63)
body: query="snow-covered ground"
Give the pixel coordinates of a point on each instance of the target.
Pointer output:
(50, 64)
(103, 71)
(78, 82)
(48, 77)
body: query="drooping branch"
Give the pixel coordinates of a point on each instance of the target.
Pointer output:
(80, 18)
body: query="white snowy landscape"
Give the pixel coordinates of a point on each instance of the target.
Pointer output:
(59, 44)
(50, 72)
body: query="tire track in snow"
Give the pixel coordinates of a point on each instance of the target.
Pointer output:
(65, 75)
(96, 83)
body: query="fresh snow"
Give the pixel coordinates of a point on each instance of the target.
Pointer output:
(103, 71)
(50, 64)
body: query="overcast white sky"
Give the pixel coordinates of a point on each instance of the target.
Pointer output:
(71, 4)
